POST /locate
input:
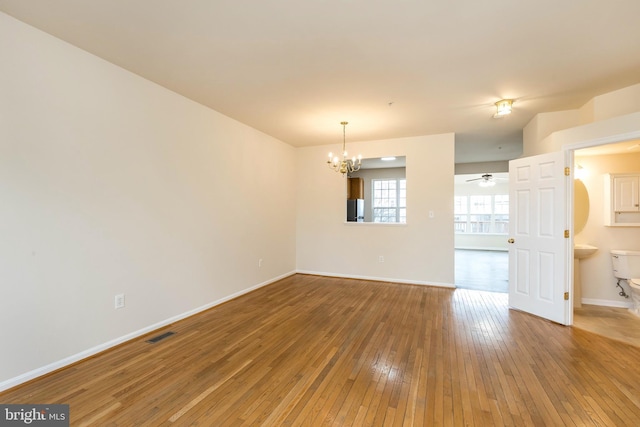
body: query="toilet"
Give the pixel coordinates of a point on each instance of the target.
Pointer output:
(626, 266)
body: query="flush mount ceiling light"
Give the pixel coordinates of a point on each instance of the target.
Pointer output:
(503, 108)
(345, 165)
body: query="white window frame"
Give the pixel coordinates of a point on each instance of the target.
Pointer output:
(496, 220)
(394, 209)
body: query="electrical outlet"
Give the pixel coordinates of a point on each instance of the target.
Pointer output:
(381, 258)
(119, 301)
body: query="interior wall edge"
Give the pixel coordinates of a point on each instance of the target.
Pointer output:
(379, 279)
(67, 361)
(605, 302)
(482, 248)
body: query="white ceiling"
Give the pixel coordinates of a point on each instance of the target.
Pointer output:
(295, 69)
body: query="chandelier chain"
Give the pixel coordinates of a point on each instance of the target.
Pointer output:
(345, 165)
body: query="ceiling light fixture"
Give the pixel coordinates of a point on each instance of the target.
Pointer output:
(580, 172)
(487, 183)
(345, 165)
(387, 159)
(486, 180)
(503, 108)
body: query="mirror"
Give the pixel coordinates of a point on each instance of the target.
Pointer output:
(580, 206)
(377, 193)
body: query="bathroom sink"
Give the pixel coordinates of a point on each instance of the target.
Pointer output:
(582, 251)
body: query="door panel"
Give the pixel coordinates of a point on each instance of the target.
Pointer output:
(522, 272)
(546, 276)
(539, 252)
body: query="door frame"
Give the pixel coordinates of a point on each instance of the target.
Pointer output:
(569, 150)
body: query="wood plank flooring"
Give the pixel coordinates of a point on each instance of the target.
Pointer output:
(616, 323)
(482, 270)
(314, 351)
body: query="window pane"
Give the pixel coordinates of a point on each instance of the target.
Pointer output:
(460, 223)
(481, 214)
(480, 204)
(388, 195)
(501, 204)
(384, 215)
(460, 204)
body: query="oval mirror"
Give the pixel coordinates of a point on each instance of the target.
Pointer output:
(580, 206)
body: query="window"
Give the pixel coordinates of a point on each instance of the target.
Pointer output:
(482, 214)
(389, 200)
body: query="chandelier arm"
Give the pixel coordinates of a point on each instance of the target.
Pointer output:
(345, 165)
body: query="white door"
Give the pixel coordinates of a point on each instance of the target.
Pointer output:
(539, 265)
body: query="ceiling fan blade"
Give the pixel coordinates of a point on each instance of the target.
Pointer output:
(474, 179)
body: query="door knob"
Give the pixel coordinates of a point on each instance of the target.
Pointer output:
(511, 241)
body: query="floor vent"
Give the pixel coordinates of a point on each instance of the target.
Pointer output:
(160, 337)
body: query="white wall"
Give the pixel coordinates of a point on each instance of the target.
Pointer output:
(611, 113)
(481, 167)
(598, 282)
(610, 117)
(542, 125)
(111, 184)
(614, 104)
(419, 252)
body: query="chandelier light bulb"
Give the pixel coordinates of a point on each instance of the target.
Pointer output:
(345, 165)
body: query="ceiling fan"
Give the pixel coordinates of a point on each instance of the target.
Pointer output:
(486, 180)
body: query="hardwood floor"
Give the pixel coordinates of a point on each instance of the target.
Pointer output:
(316, 351)
(482, 270)
(489, 271)
(616, 323)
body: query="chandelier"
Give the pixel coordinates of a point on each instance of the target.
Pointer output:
(345, 165)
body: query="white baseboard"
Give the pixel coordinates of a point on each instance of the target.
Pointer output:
(489, 248)
(378, 279)
(27, 376)
(606, 302)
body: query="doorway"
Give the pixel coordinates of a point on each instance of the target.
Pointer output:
(603, 311)
(482, 270)
(481, 218)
